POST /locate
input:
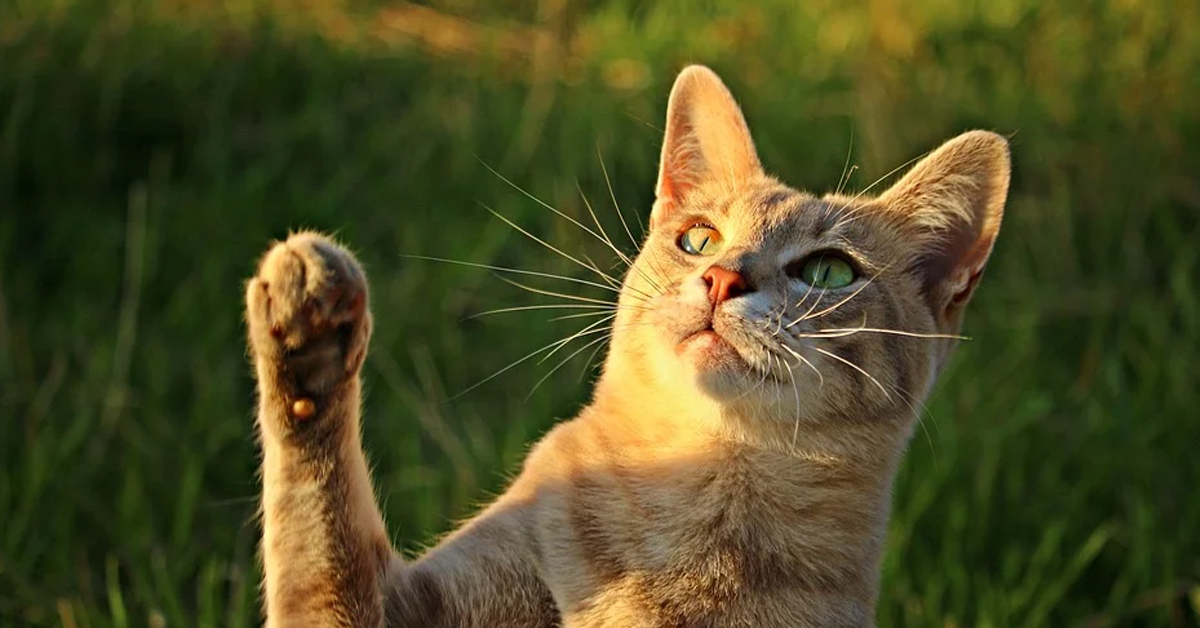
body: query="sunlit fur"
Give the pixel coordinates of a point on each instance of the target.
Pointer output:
(735, 477)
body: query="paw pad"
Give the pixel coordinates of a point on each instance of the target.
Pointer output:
(307, 315)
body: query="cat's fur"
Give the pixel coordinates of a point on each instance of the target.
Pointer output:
(715, 478)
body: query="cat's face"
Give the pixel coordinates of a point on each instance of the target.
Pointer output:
(817, 274)
(753, 295)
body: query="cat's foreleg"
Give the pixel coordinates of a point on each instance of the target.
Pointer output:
(484, 575)
(325, 549)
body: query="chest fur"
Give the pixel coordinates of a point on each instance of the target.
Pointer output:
(725, 542)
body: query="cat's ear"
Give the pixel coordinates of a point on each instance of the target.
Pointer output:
(952, 202)
(707, 140)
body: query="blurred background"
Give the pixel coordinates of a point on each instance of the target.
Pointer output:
(150, 150)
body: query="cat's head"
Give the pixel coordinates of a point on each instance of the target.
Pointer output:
(751, 294)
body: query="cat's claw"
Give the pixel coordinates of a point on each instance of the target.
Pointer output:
(307, 313)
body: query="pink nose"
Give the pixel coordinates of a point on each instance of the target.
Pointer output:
(724, 284)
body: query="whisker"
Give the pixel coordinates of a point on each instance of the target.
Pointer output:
(910, 400)
(634, 291)
(856, 367)
(500, 372)
(596, 219)
(796, 392)
(925, 428)
(846, 214)
(802, 360)
(546, 306)
(808, 315)
(612, 194)
(890, 173)
(604, 239)
(588, 363)
(551, 293)
(545, 377)
(620, 214)
(835, 332)
(645, 122)
(625, 258)
(657, 270)
(608, 279)
(810, 309)
(849, 175)
(582, 315)
(547, 205)
(591, 265)
(572, 297)
(761, 380)
(592, 328)
(778, 319)
(773, 315)
(851, 212)
(596, 327)
(546, 244)
(768, 372)
(846, 171)
(515, 271)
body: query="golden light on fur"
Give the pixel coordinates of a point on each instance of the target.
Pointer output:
(768, 351)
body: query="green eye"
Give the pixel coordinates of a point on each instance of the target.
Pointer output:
(827, 271)
(701, 240)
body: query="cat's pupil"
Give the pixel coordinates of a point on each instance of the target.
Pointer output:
(700, 240)
(822, 274)
(827, 271)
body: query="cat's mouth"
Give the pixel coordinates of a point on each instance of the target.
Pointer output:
(703, 330)
(707, 334)
(709, 348)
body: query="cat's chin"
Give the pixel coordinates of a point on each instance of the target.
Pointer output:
(720, 371)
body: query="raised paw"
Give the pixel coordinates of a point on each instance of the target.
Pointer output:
(308, 319)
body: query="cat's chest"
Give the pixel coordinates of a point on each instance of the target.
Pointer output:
(719, 526)
(714, 546)
(707, 531)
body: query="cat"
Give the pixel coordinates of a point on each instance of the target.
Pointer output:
(735, 462)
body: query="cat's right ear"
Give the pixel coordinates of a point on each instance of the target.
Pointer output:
(707, 140)
(953, 201)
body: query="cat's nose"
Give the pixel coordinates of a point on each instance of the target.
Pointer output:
(724, 284)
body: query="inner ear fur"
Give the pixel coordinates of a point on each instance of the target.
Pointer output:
(706, 141)
(952, 203)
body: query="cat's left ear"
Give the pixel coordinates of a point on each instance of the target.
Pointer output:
(953, 201)
(706, 141)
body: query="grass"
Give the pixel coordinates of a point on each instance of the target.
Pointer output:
(150, 151)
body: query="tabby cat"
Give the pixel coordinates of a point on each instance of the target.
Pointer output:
(734, 465)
